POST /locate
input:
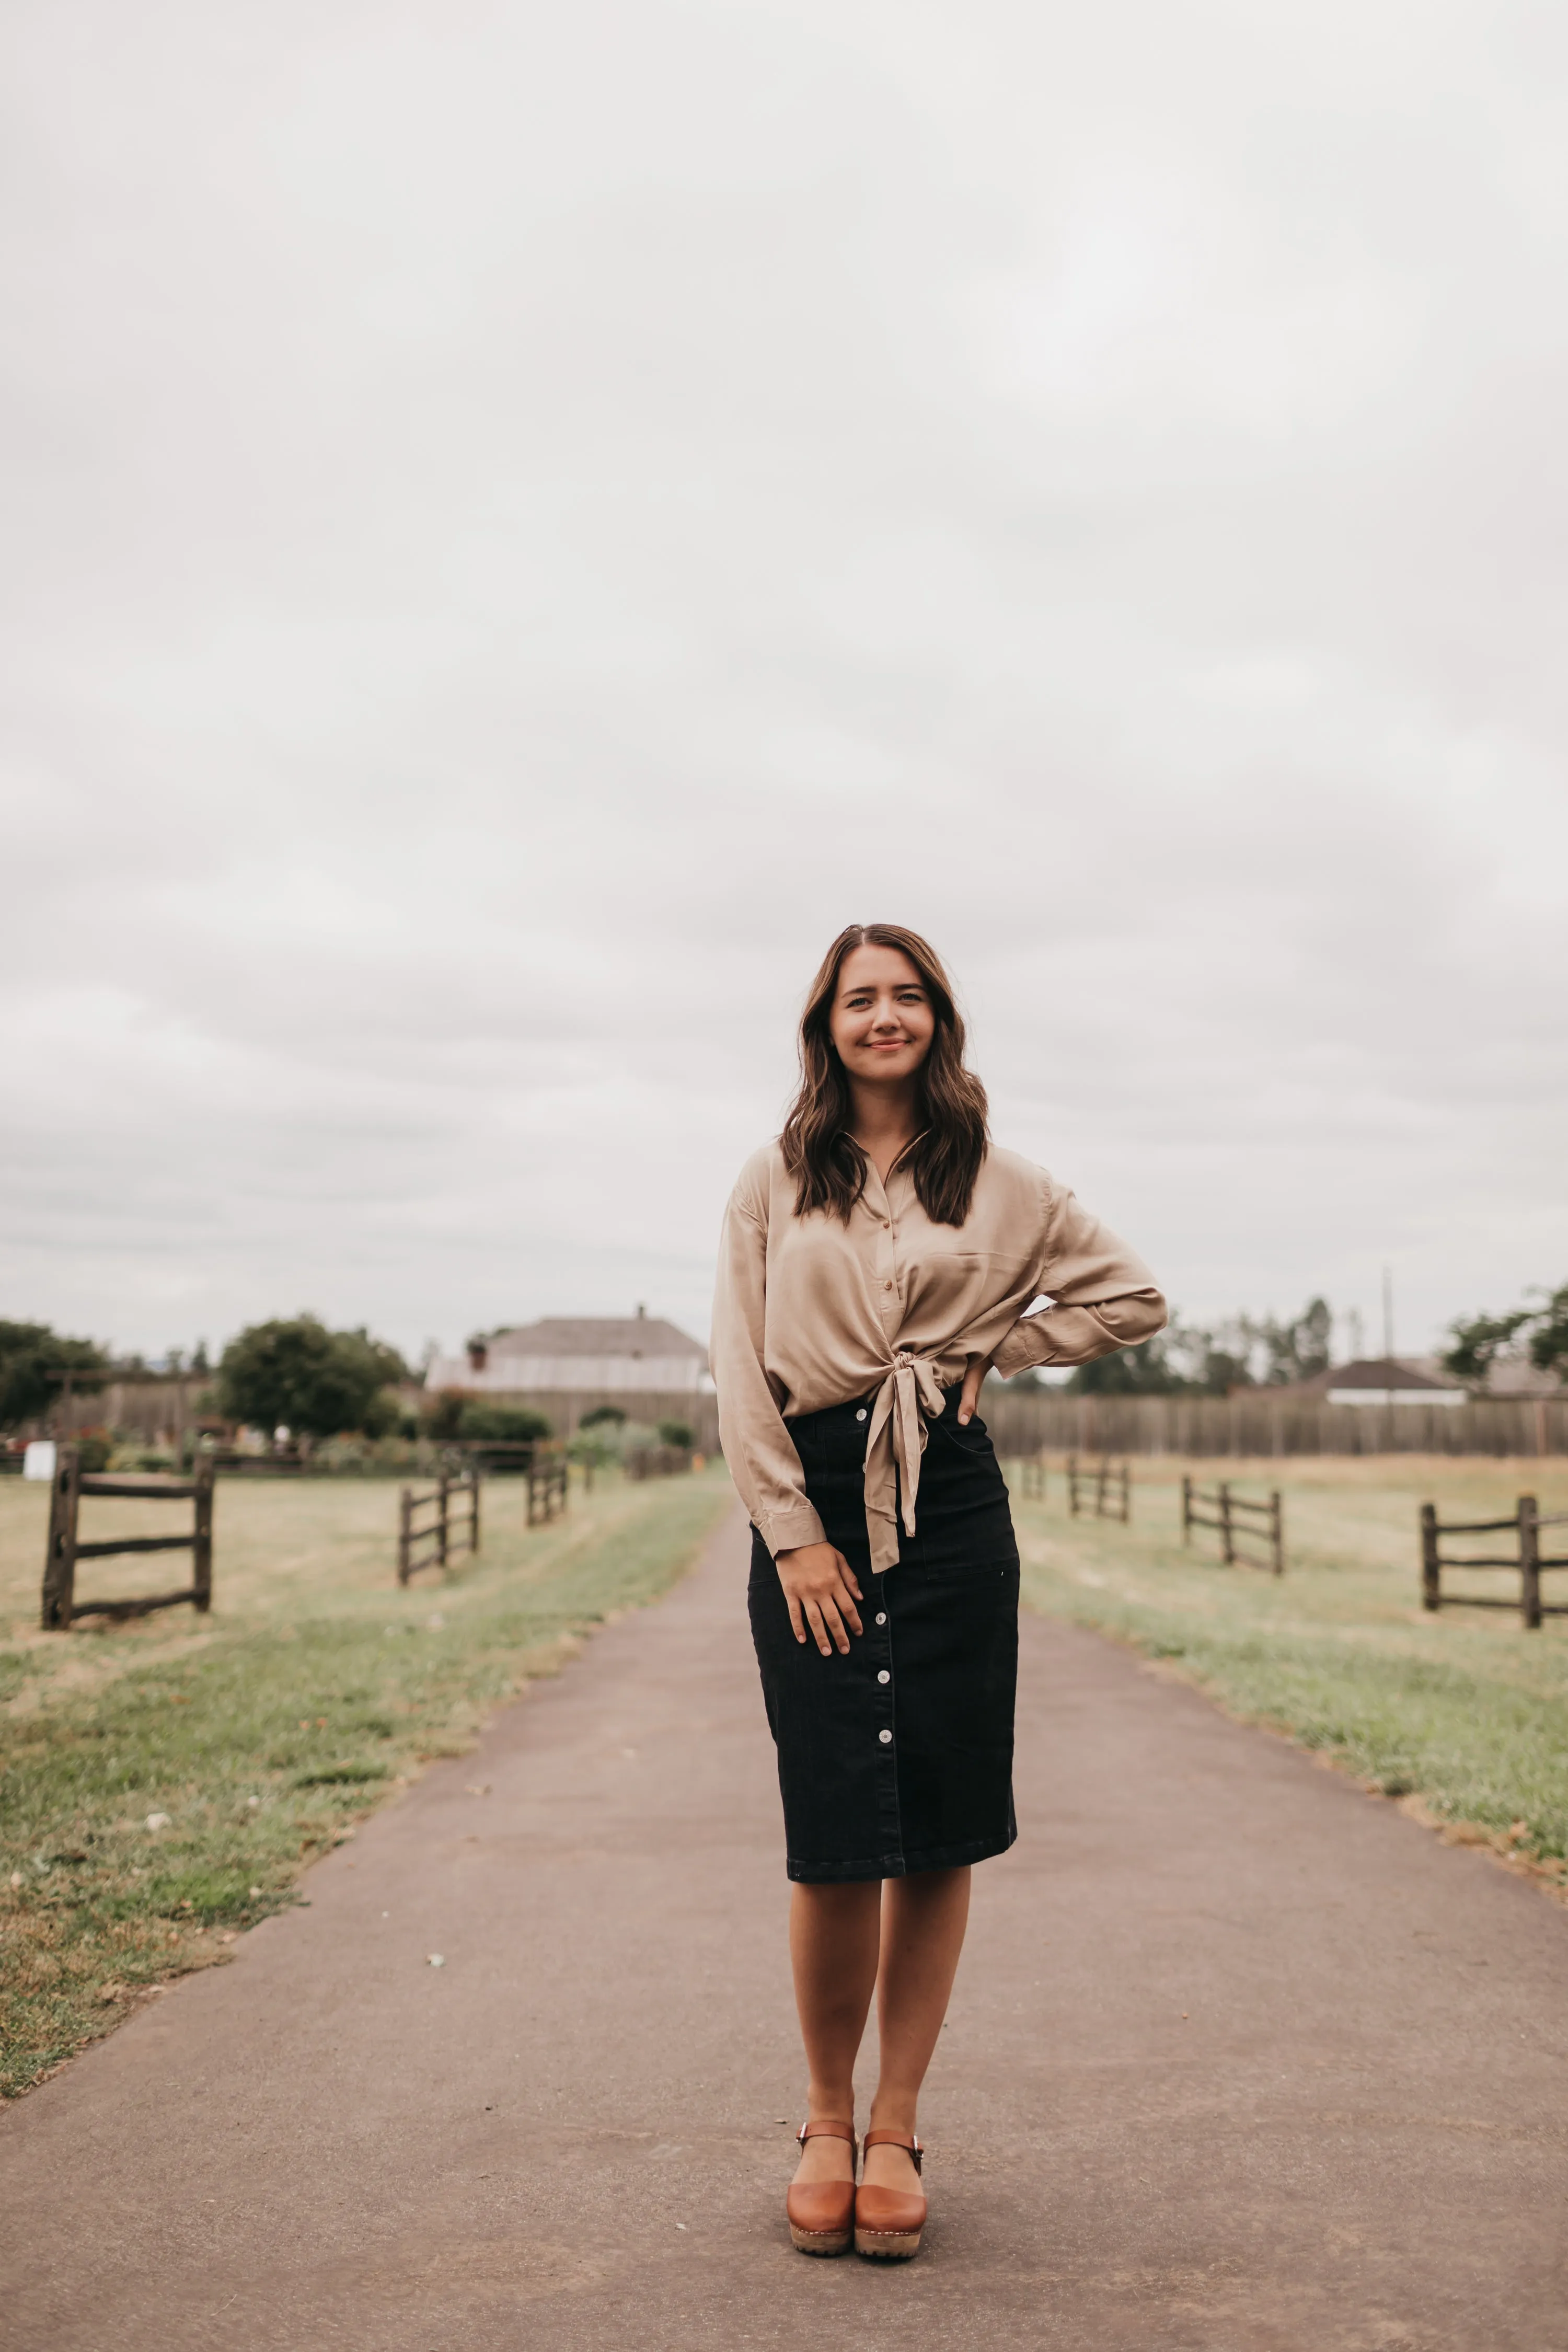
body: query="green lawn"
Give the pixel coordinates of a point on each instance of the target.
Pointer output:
(1463, 1715)
(263, 1732)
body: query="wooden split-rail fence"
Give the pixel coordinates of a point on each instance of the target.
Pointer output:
(1528, 1561)
(429, 1533)
(1237, 1519)
(1031, 1478)
(548, 1489)
(1111, 1485)
(66, 1548)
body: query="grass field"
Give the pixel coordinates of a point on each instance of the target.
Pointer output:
(263, 1731)
(1462, 1715)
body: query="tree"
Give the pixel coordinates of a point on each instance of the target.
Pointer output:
(679, 1433)
(29, 1354)
(602, 1414)
(298, 1374)
(1301, 1349)
(1481, 1340)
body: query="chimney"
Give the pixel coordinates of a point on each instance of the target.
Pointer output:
(478, 1354)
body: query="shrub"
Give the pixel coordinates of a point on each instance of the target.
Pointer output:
(502, 1424)
(677, 1433)
(600, 1416)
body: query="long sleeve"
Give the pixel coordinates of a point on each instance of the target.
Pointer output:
(1104, 1296)
(763, 1461)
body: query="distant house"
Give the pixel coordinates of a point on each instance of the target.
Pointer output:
(1372, 1380)
(564, 1355)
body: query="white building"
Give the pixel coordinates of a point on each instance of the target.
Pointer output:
(566, 1355)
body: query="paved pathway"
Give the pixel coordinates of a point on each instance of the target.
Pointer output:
(1237, 2059)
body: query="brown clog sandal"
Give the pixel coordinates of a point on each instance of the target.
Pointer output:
(821, 2213)
(889, 2221)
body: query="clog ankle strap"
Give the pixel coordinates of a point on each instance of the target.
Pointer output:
(825, 2128)
(882, 2138)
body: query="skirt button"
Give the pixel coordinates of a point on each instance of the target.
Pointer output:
(886, 1738)
(861, 1414)
(884, 1676)
(881, 1616)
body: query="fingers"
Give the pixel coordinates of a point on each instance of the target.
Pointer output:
(816, 1613)
(795, 1617)
(846, 1576)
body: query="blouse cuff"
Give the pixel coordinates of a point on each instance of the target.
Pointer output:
(787, 1530)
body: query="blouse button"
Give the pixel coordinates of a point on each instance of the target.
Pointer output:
(886, 1738)
(881, 1616)
(884, 1676)
(861, 1414)
(887, 1285)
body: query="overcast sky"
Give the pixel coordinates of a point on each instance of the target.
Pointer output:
(522, 520)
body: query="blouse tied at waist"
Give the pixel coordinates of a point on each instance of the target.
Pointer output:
(896, 1440)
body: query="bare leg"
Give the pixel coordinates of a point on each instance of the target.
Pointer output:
(834, 1938)
(923, 1920)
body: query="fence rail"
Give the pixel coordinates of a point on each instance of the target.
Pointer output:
(1111, 1485)
(65, 1546)
(1030, 1473)
(1236, 1520)
(1527, 1561)
(431, 1543)
(549, 1489)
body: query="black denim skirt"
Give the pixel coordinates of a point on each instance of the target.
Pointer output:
(898, 1757)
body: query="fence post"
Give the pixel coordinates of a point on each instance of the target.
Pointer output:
(1228, 1538)
(59, 1560)
(474, 1507)
(1186, 1508)
(1431, 1567)
(405, 1529)
(1072, 1485)
(1126, 1494)
(202, 1549)
(1277, 1532)
(1529, 1563)
(1100, 1483)
(443, 1495)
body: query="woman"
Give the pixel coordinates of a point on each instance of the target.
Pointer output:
(877, 1261)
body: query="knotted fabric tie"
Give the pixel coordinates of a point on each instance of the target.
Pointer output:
(894, 1444)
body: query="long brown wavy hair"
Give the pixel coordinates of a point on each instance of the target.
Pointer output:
(827, 1164)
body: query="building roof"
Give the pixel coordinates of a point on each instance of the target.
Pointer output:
(597, 1334)
(1385, 1373)
(1379, 1376)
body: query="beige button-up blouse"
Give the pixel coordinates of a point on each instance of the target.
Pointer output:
(810, 1311)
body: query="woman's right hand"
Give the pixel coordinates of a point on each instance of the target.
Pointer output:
(820, 1585)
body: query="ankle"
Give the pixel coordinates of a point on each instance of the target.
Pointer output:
(889, 2114)
(826, 2103)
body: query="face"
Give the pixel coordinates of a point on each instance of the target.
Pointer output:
(882, 1020)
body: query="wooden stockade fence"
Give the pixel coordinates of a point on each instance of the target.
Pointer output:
(71, 1483)
(1111, 1488)
(1528, 1562)
(548, 1489)
(431, 1542)
(1227, 1504)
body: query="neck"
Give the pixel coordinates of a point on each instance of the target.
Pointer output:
(884, 1120)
